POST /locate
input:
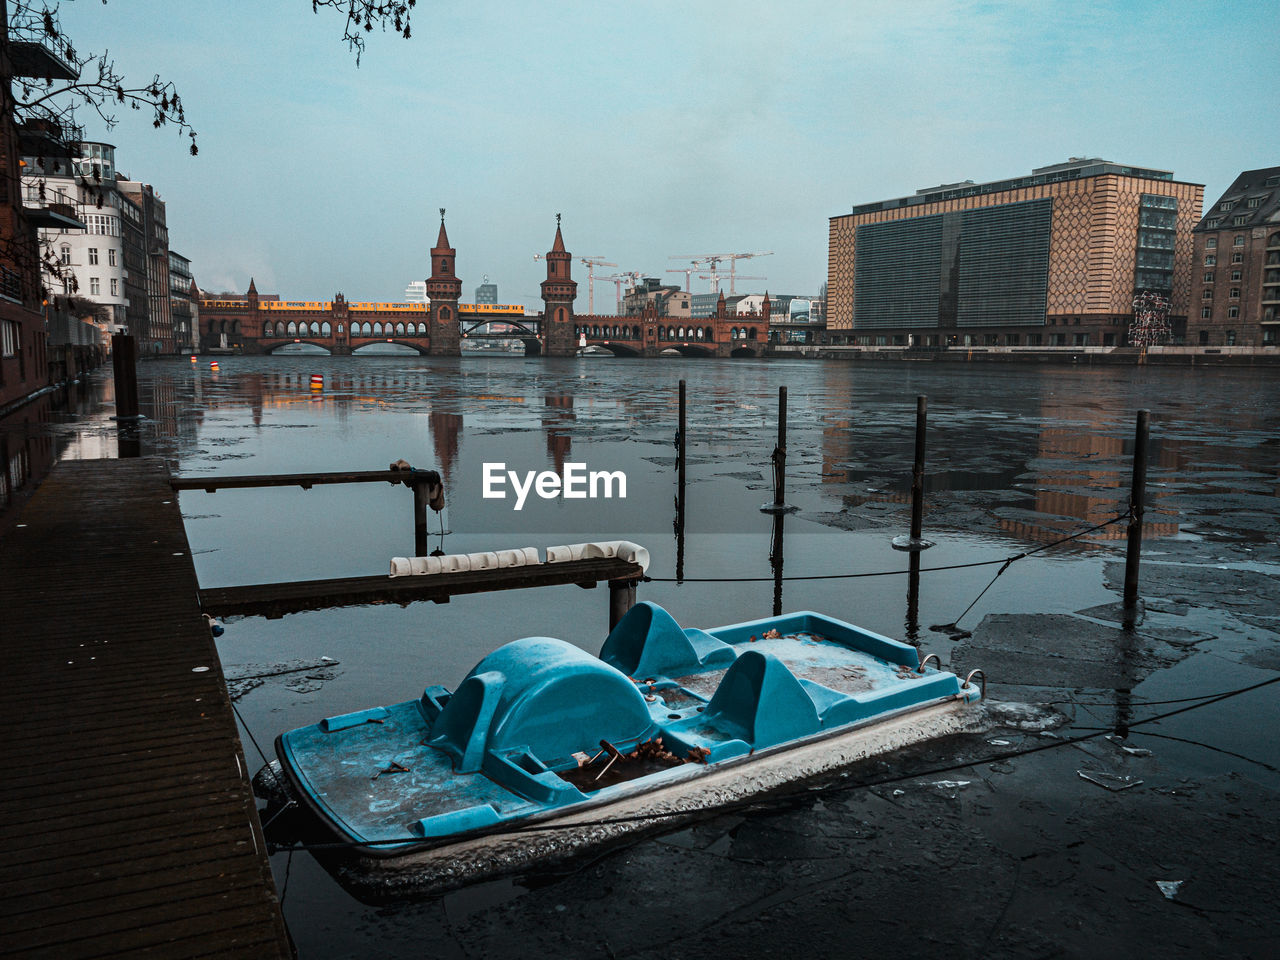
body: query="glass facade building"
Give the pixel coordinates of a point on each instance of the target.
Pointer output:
(964, 268)
(1054, 259)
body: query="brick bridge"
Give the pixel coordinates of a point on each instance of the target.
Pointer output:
(261, 324)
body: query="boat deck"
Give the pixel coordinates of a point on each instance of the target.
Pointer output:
(129, 826)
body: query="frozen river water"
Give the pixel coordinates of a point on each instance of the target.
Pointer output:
(1018, 857)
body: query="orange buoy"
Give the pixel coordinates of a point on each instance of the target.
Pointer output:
(213, 364)
(193, 359)
(317, 382)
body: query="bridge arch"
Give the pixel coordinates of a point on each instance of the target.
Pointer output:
(518, 330)
(617, 349)
(418, 348)
(272, 348)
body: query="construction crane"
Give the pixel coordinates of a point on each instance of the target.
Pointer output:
(712, 260)
(715, 279)
(687, 271)
(629, 278)
(592, 263)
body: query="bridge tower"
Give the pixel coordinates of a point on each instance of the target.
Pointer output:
(558, 293)
(444, 289)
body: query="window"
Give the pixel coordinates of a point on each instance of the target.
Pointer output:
(1231, 338)
(1227, 205)
(64, 255)
(1235, 293)
(1208, 276)
(1210, 260)
(9, 338)
(1240, 220)
(1204, 337)
(1255, 201)
(103, 225)
(1207, 295)
(95, 288)
(111, 257)
(1233, 312)
(1206, 313)
(1239, 240)
(1237, 258)
(1235, 275)
(115, 287)
(93, 256)
(1211, 243)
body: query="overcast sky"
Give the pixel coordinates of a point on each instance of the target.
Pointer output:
(656, 129)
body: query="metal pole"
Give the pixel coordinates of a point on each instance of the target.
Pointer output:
(914, 540)
(780, 472)
(680, 444)
(1137, 496)
(420, 498)
(779, 458)
(917, 471)
(680, 465)
(622, 597)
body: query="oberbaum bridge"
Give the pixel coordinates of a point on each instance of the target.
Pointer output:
(261, 325)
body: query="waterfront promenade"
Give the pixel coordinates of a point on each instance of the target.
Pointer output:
(129, 826)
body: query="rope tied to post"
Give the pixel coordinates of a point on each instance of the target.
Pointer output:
(430, 479)
(1004, 561)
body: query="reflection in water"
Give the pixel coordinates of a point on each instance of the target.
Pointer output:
(1016, 454)
(1054, 465)
(776, 561)
(558, 422)
(912, 622)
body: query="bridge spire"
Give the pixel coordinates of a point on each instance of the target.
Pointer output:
(558, 293)
(443, 288)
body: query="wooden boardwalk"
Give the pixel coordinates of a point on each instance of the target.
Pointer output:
(127, 823)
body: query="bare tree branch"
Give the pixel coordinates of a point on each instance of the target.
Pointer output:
(363, 15)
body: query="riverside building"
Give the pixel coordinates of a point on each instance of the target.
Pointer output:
(1236, 293)
(1056, 258)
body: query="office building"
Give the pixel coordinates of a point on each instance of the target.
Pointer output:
(1056, 258)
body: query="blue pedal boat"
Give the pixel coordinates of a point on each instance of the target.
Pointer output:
(544, 750)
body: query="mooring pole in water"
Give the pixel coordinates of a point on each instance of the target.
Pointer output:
(124, 366)
(681, 431)
(420, 498)
(622, 597)
(917, 469)
(914, 540)
(1137, 496)
(779, 504)
(680, 445)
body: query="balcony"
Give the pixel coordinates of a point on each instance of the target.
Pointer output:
(54, 216)
(38, 62)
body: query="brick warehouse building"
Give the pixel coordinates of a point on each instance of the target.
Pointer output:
(1052, 259)
(1236, 281)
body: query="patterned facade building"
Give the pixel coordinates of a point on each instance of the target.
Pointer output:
(1052, 259)
(1236, 293)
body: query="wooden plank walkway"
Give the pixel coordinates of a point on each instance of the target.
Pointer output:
(127, 822)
